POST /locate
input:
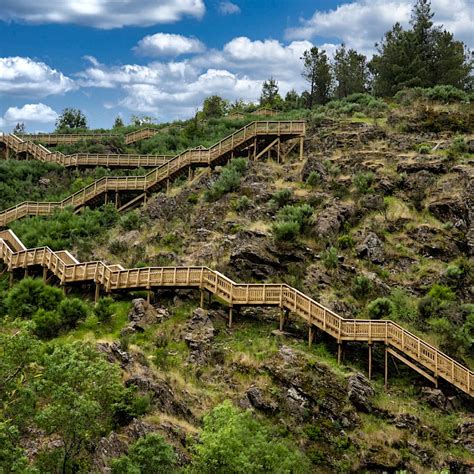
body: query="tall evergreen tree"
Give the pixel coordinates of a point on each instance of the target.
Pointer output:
(317, 72)
(350, 72)
(423, 56)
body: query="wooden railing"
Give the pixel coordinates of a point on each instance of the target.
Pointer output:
(109, 160)
(69, 138)
(198, 157)
(114, 277)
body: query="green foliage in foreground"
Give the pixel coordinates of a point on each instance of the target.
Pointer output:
(68, 390)
(233, 441)
(291, 222)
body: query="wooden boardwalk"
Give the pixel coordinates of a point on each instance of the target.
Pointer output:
(408, 348)
(68, 138)
(29, 148)
(254, 140)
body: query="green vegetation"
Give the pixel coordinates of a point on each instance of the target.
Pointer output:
(228, 180)
(233, 441)
(291, 222)
(65, 229)
(149, 454)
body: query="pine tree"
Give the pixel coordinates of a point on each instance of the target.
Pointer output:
(270, 96)
(19, 128)
(423, 56)
(350, 72)
(317, 72)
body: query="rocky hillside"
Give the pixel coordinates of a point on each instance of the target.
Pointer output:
(375, 222)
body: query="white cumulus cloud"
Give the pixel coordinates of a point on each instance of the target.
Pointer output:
(362, 23)
(31, 113)
(165, 44)
(228, 8)
(174, 89)
(26, 77)
(102, 13)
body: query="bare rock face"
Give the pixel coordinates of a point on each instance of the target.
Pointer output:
(254, 258)
(198, 335)
(143, 314)
(258, 400)
(450, 210)
(431, 242)
(436, 398)
(466, 435)
(330, 221)
(372, 249)
(360, 392)
(313, 163)
(308, 390)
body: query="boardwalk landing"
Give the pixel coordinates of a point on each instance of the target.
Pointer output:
(400, 343)
(253, 141)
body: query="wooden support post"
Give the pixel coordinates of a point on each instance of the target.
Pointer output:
(370, 361)
(10, 281)
(201, 305)
(339, 352)
(255, 149)
(106, 198)
(149, 296)
(190, 173)
(117, 200)
(45, 274)
(7, 153)
(278, 150)
(167, 185)
(301, 148)
(97, 292)
(386, 367)
(26, 273)
(283, 318)
(310, 335)
(209, 298)
(230, 315)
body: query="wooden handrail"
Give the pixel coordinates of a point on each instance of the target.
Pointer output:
(39, 152)
(113, 277)
(158, 175)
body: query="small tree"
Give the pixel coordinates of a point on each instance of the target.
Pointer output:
(118, 123)
(71, 119)
(234, 442)
(350, 72)
(19, 128)
(214, 106)
(317, 72)
(270, 96)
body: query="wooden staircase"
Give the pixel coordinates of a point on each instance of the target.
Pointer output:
(408, 348)
(248, 138)
(109, 160)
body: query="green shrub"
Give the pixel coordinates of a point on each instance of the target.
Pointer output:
(424, 149)
(282, 197)
(363, 182)
(405, 305)
(286, 231)
(117, 247)
(313, 179)
(46, 323)
(442, 293)
(242, 204)
(29, 295)
(445, 94)
(233, 441)
(380, 308)
(193, 198)
(228, 181)
(148, 455)
(458, 145)
(71, 311)
(345, 242)
(330, 259)
(361, 288)
(130, 221)
(103, 309)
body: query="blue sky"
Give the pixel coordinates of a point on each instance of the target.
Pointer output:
(161, 58)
